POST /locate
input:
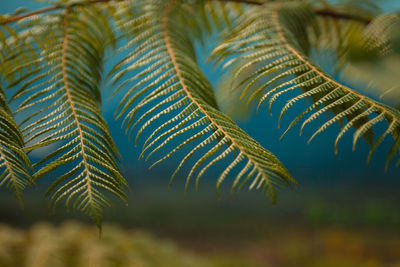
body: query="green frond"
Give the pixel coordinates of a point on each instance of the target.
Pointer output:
(210, 16)
(14, 163)
(161, 79)
(62, 97)
(379, 33)
(15, 47)
(355, 40)
(283, 55)
(52, 59)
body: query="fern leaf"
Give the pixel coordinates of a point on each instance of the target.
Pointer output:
(62, 95)
(284, 56)
(14, 163)
(169, 84)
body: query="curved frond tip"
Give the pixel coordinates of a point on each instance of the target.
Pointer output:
(173, 87)
(282, 55)
(62, 97)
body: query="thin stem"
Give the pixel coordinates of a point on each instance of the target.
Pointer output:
(324, 12)
(48, 9)
(29, 14)
(338, 15)
(250, 2)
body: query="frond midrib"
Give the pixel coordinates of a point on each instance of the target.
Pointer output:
(181, 81)
(69, 97)
(281, 35)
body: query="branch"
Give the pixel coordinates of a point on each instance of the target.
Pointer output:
(32, 13)
(324, 12)
(320, 12)
(47, 9)
(250, 2)
(339, 15)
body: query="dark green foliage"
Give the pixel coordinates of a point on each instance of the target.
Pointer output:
(13, 160)
(63, 100)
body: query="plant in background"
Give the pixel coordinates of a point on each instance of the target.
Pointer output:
(53, 61)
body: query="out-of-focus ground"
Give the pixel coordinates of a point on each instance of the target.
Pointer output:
(76, 244)
(342, 225)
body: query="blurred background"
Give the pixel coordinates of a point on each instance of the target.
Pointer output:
(344, 212)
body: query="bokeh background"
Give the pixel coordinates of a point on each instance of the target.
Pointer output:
(344, 212)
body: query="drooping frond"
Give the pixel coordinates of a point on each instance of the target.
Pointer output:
(211, 16)
(372, 56)
(355, 50)
(16, 48)
(52, 59)
(62, 97)
(358, 40)
(378, 35)
(161, 79)
(267, 37)
(13, 160)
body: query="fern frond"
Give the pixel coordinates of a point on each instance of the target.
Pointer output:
(378, 35)
(163, 80)
(283, 55)
(16, 48)
(63, 101)
(14, 163)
